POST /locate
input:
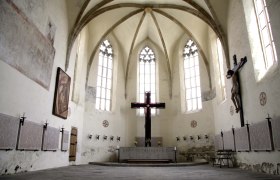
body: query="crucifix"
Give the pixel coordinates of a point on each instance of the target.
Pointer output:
(147, 105)
(236, 90)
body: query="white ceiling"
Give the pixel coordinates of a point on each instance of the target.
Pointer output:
(165, 21)
(148, 30)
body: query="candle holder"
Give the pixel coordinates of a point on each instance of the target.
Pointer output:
(118, 138)
(97, 137)
(22, 119)
(268, 117)
(46, 125)
(175, 151)
(118, 149)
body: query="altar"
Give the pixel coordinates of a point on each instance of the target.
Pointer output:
(152, 152)
(147, 154)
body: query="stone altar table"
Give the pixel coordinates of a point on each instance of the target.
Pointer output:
(147, 154)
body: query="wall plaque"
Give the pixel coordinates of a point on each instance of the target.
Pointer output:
(105, 123)
(263, 98)
(23, 46)
(193, 124)
(61, 96)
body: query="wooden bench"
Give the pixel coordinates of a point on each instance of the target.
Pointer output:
(223, 158)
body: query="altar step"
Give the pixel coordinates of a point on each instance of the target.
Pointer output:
(149, 164)
(146, 161)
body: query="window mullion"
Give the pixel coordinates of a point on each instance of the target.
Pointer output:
(191, 76)
(146, 57)
(263, 20)
(103, 87)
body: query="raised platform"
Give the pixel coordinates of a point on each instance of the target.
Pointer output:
(148, 164)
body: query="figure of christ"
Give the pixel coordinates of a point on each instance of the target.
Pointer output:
(235, 97)
(235, 90)
(147, 105)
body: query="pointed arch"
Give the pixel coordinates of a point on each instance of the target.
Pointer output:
(193, 98)
(147, 75)
(104, 77)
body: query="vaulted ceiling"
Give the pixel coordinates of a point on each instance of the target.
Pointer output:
(163, 22)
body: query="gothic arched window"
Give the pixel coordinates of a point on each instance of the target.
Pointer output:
(265, 33)
(147, 76)
(104, 77)
(221, 69)
(192, 77)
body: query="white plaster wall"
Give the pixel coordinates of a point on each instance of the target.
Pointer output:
(180, 120)
(171, 121)
(19, 94)
(119, 125)
(124, 121)
(221, 107)
(243, 41)
(73, 9)
(77, 107)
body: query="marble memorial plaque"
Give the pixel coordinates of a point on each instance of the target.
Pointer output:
(30, 136)
(51, 139)
(218, 142)
(275, 125)
(260, 136)
(228, 140)
(242, 139)
(8, 131)
(65, 140)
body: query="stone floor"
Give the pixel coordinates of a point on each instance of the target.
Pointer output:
(97, 172)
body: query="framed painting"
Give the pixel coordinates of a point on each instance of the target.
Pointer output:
(61, 94)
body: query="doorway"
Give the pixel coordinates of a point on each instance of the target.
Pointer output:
(73, 144)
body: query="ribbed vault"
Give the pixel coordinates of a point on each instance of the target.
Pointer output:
(163, 23)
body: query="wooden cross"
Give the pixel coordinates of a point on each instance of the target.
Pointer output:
(236, 90)
(147, 105)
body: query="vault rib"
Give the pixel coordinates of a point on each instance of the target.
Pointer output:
(165, 52)
(129, 15)
(131, 49)
(173, 19)
(93, 13)
(198, 7)
(72, 37)
(222, 34)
